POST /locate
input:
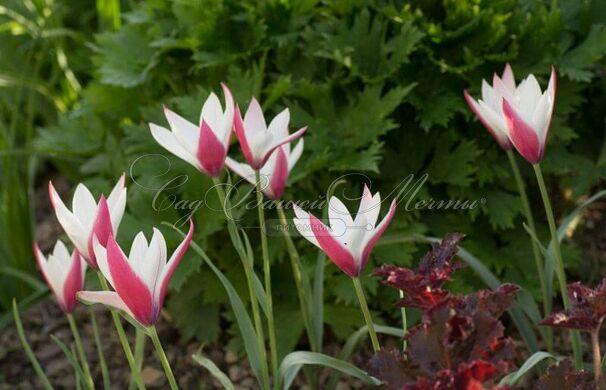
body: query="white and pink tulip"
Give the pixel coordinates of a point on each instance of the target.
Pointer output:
(257, 140)
(348, 242)
(63, 273)
(88, 218)
(204, 145)
(140, 281)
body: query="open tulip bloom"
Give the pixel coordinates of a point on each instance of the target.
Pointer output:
(140, 280)
(88, 218)
(64, 274)
(348, 242)
(517, 115)
(257, 140)
(204, 145)
(274, 174)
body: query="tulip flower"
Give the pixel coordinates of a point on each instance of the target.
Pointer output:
(274, 173)
(89, 218)
(204, 146)
(140, 281)
(257, 140)
(528, 115)
(349, 241)
(64, 274)
(489, 109)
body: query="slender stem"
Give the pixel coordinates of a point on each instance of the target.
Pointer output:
(122, 336)
(576, 339)
(404, 323)
(530, 221)
(595, 346)
(546, 295)
(72, 325)
(28, 350)
(162, 356)
(267, 273)
(249, 272)
(104, 372)
(139, 350)
(301, 280)
(364, 306)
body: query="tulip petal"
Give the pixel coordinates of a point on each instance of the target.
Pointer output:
(488, 122)
(171, 266)
(522, 135)
(185, 132)
(169, 142)
(508, 79)
(84, 207)
(338, 214)
(377, 234)
(107, 298)
(132, 290)
(296, 153)
(73, 282)
(102, 229)
(116, 202)
(279, 176)
(333, 248)
(254, 120)
(303, 225)
(242, 170)
(101, 257)
(369, 207)
(277, 143)
(68, 221)
(53, 279)
(278, 127)
(242, 137)
(228, 116)
(212, 112)
(211, 152)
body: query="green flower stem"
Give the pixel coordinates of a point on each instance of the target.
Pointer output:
(139, 350)
(267, 273)
(136, 375)
(162, 356)
(248, 271)
(28, 350)
(107, 385)
(364, 306)
(404, 323)
(74, 328)
(301, 281)
(561, 274)
(530, 221)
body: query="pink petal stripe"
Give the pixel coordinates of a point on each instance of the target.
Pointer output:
(286, 140)
(108, 298)
(377, 234)
(129, 286)
(333, 249)
(211, 152)
(523, 136)
(172, 265)
(102, 229)
(503, 141)
(279, 176)
(40, 259)
(241, 134)
(73, 283)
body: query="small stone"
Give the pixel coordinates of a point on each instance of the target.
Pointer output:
(151, 376)
(231, 357)
(235, 373)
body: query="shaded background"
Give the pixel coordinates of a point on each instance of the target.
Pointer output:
(380, 85)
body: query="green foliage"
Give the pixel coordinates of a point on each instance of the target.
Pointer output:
(378, 82)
